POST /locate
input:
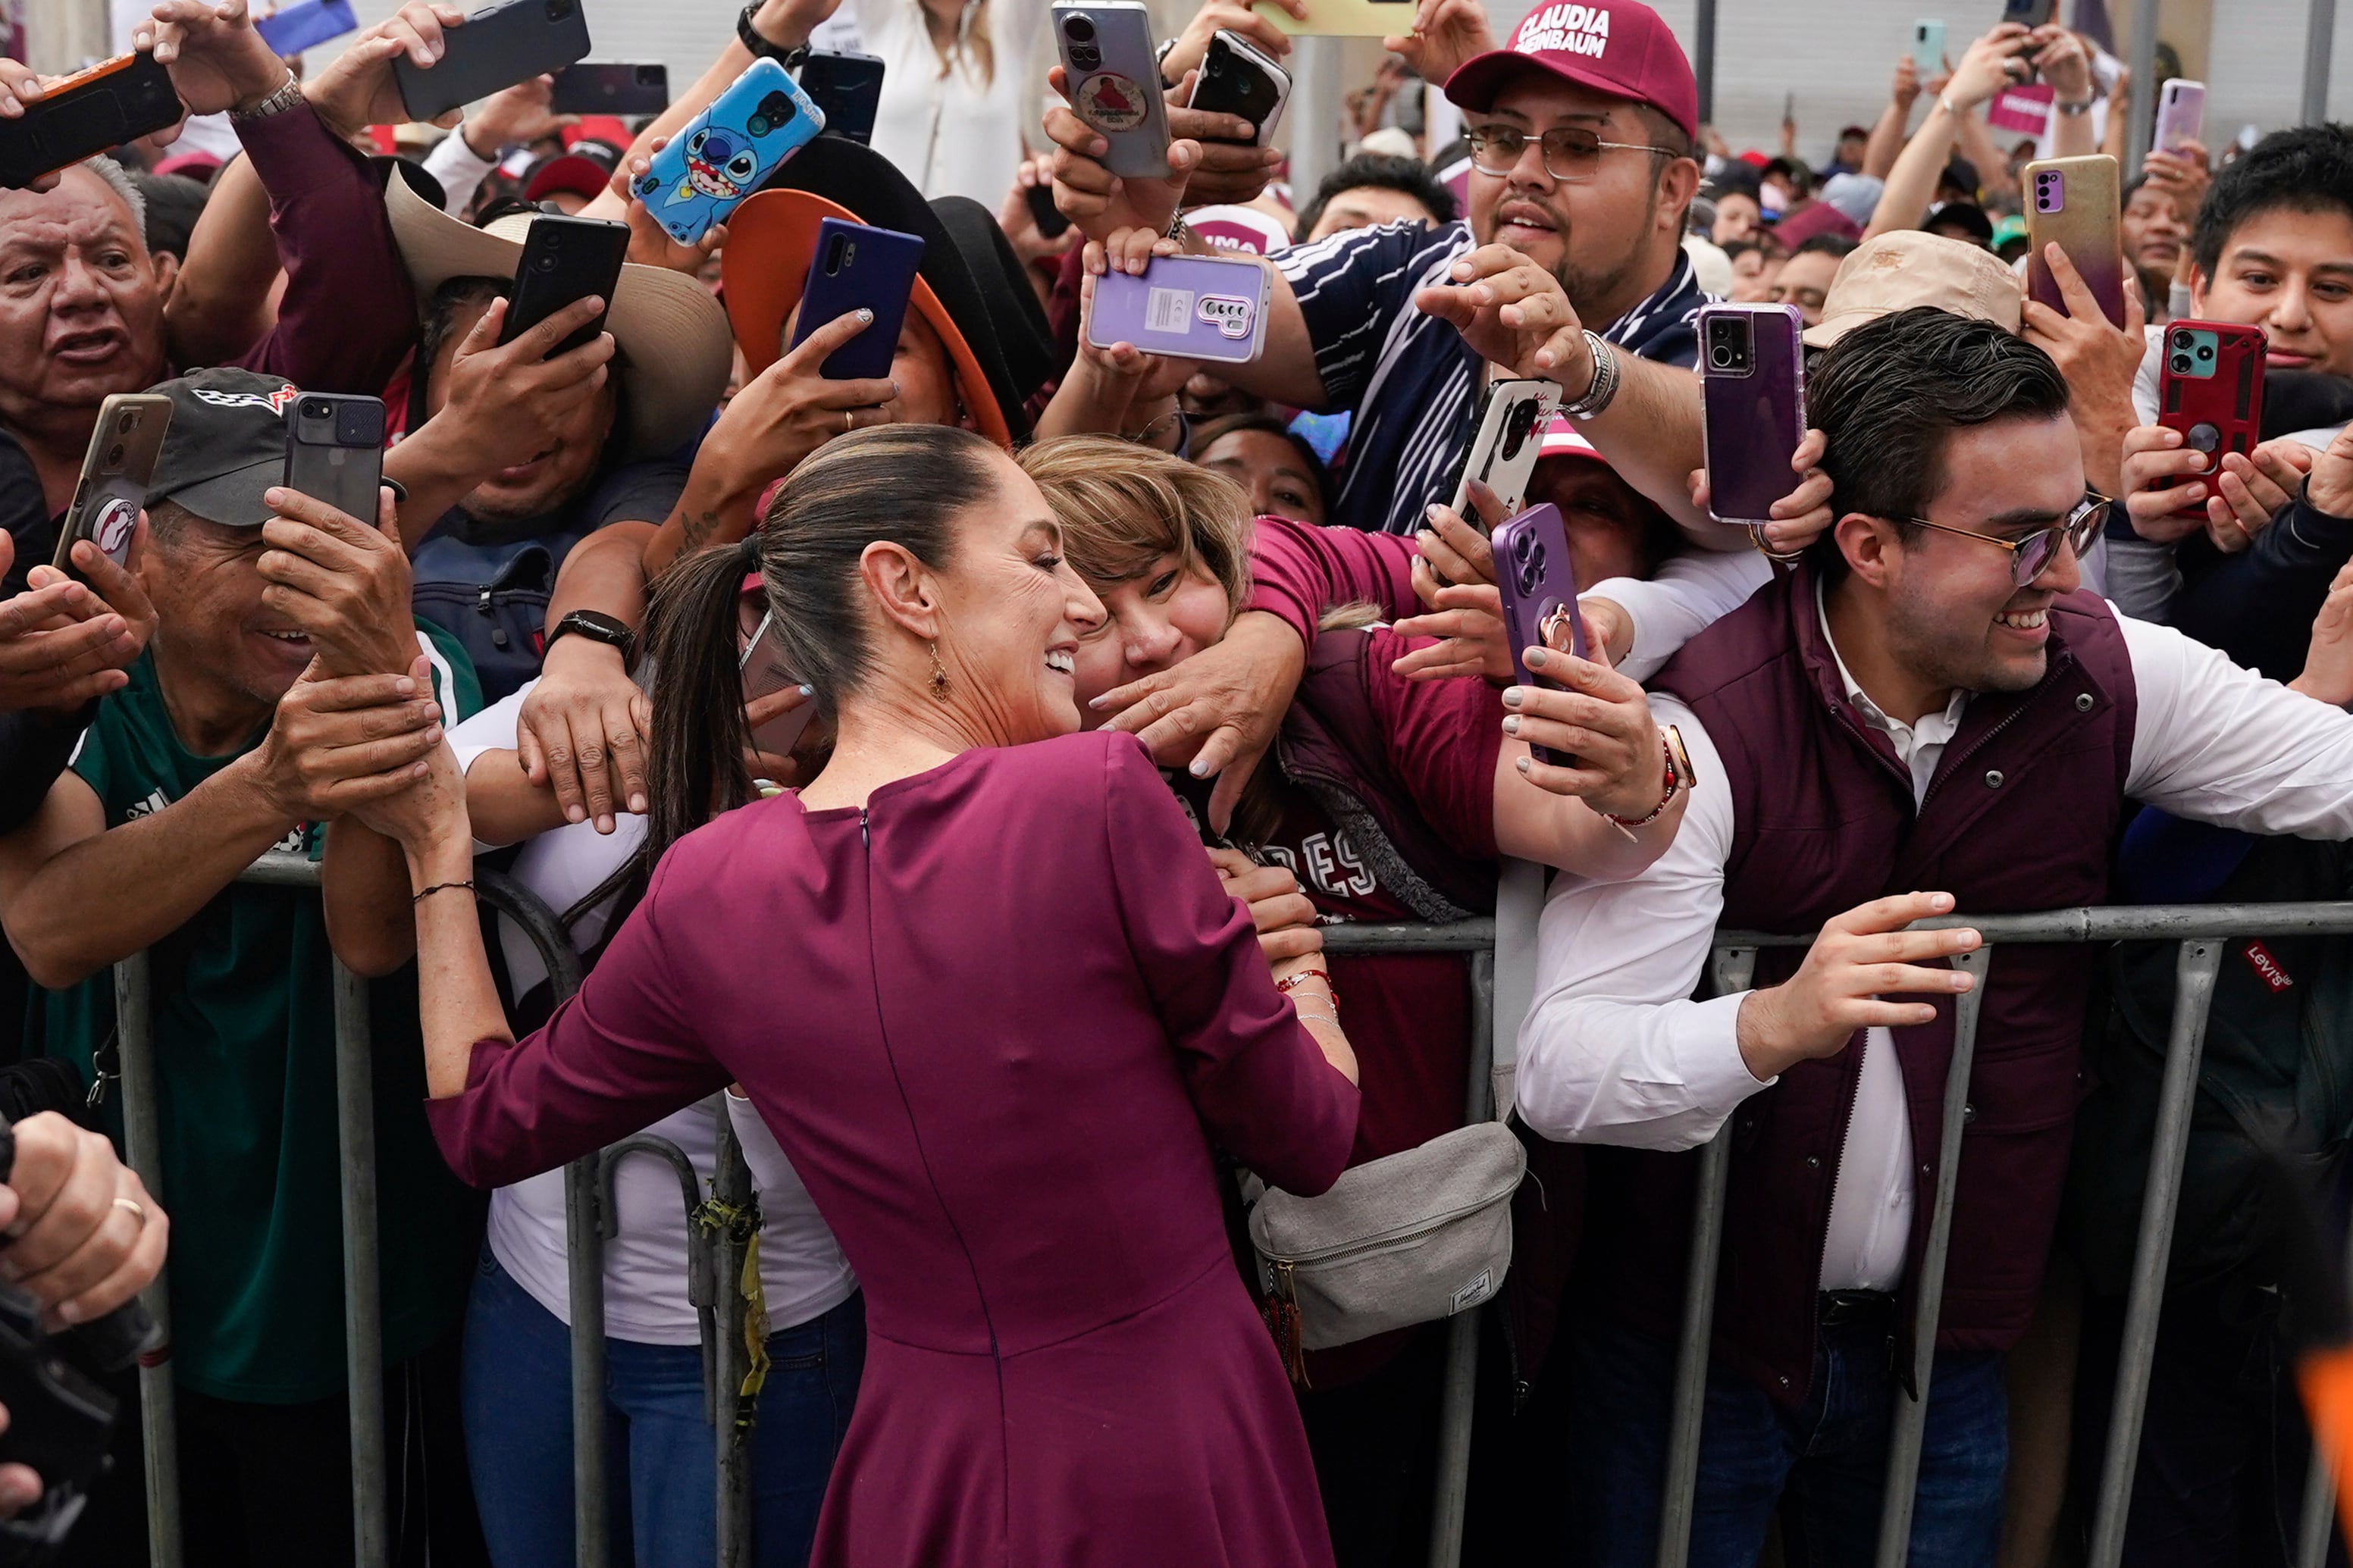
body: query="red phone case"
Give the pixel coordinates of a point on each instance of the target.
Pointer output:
(2217, 406)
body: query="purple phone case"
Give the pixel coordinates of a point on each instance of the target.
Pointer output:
(1536, 578)
(1188, 307)
(879, 273)
(1752, 423)
(2181, 115)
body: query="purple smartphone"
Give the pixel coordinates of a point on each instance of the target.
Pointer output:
(1188, 307)
(1538, 584)
(859, 267)
(2181, 114)
(1752, 393)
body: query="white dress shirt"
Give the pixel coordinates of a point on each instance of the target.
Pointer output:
(1613, 1051)
(952, 132)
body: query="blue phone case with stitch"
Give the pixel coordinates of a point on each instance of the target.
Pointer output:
(726, 151)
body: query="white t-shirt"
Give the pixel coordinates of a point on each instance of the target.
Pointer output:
(959, 133)
(644, 1264)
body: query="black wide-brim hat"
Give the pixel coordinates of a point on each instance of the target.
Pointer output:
(981, 301)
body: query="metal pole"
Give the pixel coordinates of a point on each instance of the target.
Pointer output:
(2193, 992)
(2319, 39)
(142, 1147)
(585, 1244)
(1454, 1412)
(1703, 59)
(1316, 92)
(363, 1305)
(1911, 1423)
(1733, 970)
(2145, 83)
(733, 1189)
(2316, 1529)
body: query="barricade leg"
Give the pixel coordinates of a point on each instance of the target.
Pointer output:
(1457, 1401)
(733, 1190)
(142, 1147)
(2318, 1522)
(585, 1252)
(363, 1305)
(1731, 969)
(2193, 992)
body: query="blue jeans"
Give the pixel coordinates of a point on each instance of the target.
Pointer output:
(1829, 1456)
(661, 1452)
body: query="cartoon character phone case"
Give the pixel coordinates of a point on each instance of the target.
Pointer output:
(723, 155)
(1188, 307)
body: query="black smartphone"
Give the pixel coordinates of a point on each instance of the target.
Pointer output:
(1052, 224)
(334, 450)
(848, 87)
(493, 49)
(565, 259)
(1237, 78)
(611, 86)
(2033, 12)
(89, 113)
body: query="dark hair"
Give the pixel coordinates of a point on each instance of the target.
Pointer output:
(1837, 244)
(1215, 430)
(1762, 242)
(1378, 171)
(175, 201)
(904, 483)
(457, 295)
(1888, 395)
(2308, 169)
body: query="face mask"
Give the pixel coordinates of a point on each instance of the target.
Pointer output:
(1772, 199)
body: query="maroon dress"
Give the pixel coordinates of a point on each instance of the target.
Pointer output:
(996, 1018)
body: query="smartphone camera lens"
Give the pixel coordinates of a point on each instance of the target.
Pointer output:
(114, 456)
(2181, 362)
(124, 424)
(315, 409)
(2205, 352)
(1079, 29)
(1720, 355)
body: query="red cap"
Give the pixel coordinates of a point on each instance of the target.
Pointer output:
(1620, 47)
(605, 127)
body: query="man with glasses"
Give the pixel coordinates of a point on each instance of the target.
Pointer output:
(1581, 135)
(1926, 716)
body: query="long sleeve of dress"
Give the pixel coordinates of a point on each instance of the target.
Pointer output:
(1260, 1081)
(1301, 569)
(622, 1053)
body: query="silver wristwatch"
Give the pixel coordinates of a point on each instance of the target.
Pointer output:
(1605, 379)
(288, 94)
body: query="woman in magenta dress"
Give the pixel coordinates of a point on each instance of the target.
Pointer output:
(992, 1001)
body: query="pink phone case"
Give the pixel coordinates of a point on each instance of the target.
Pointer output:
(2181, 114)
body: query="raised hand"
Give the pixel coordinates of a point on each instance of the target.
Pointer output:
(1216, 711)
(342, 583)
(1444, 33)
(2329, 662)
(216, 61)
(338, 742)
(62, 642)
(1859, 958)
(358, 88)
(1514, 313)
(1602, 722)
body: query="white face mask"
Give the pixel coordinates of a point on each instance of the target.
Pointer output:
(1772, 197)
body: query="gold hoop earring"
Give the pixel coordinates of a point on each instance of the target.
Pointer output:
(939, 675)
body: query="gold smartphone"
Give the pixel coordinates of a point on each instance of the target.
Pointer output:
(2074, 201)
(115, 473)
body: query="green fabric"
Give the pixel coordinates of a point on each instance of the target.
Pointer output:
(244, 1048)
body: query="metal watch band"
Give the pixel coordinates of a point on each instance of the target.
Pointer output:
(2085, 106)
(288, 94)
(789, 57)
(1605, 379)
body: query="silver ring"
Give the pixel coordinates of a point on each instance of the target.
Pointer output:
(138, 1211)
(849, 421)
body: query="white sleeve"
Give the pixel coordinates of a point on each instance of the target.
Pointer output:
(1692, 592)
(2218, 744)
(459, 169)
(1613, 1051)
(492, 730)
(2144, 388)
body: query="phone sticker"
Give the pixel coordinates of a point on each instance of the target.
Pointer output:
(1230, 313)
(1167, 309)
(111, 530)
(1111, 102)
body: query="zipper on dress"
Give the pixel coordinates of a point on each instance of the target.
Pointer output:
(864, 837)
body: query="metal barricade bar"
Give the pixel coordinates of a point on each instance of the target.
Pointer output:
(142, 1148)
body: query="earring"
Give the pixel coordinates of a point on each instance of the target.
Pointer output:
(939, 675)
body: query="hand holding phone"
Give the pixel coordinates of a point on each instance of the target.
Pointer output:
(334, 451)
(1237, 78)
(2181, 115)
(566, 260)
(859, 267)
(1187, 307)
(764, 676)
(728, 151)
(116, 471)
(1928, 46)
(1112, 80)
(1752, 384)
(1505, 445)
(1538, 582)
(89, 113)
(2074, 201)
(2210, 388)
(491, 50)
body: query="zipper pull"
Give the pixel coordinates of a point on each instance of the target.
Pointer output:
(863, 835)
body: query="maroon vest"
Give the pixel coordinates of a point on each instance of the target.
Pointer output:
(2019, 816)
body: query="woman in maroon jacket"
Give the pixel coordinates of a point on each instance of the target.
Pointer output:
(981, 984)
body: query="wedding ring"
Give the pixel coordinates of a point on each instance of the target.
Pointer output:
(137, 1212)
(849, 421)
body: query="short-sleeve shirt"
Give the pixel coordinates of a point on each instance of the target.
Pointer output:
(1410, 378)
(243, 999)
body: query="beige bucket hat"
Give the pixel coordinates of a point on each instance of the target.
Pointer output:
(1897, 271)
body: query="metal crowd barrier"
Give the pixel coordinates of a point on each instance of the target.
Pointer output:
(717, 1259)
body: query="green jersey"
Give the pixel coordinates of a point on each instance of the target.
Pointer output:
(243, 1001)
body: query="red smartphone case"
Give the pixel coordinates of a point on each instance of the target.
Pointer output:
(2211, 386)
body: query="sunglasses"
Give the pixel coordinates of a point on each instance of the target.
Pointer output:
(1570, 153)
(2029, 554)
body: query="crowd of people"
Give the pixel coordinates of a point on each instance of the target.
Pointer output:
(948, 777)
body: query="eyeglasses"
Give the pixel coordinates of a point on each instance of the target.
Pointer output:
(2029, 555)
(1571, 154)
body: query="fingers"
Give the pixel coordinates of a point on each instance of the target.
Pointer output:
(27, 612)
(554, 745)
(346, 693)
(327, 526)
(1890, 913)
(1237, 759)
(538, 340)
(814, 350)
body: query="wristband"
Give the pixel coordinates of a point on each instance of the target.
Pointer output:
(1604, 386)
(789, 57)
(1678, 779)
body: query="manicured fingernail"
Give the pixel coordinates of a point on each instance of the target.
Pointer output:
(864, 314)
(1198, 768)
(1521, 763)
(807, 690)
(68, 1313)
(1537, 658)
(638, 804)
(1433, 511)
(1514, 696)
(1512, 724)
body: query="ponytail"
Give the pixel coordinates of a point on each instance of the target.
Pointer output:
(696, 769)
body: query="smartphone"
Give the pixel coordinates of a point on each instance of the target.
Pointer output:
(1752, 393)
(611, 86)
(1928, 46)
(2181, 114)
(115, 474)
(1052, 224)
(1238, 79)
(764, 673)
(493, 49)
(1505, 445)
(723, 154)
(1114, 81)
(565, 259)
(334, 450)
(89, 113)
(857, 265)
(1538, 582)
(846, 90)
(306, 26)
(2210, 386)
(1346, 19)
(1188, 307)
(2074, 201)
(2032, 12)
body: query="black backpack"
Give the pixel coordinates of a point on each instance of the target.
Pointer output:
(493, 599)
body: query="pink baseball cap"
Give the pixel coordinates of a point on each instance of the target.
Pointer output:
(1246, 229)
(1562, 439)
(1620, 47)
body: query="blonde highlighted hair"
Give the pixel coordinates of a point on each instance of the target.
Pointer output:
(1123, 507)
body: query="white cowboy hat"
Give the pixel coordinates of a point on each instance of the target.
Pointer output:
(675, 350)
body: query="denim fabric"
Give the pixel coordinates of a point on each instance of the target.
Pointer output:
(1829, 1456)
(518, 1412)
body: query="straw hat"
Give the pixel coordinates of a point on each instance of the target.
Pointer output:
(674, 353)
(1897, 271)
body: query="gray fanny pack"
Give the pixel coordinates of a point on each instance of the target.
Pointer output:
(1406, 1239)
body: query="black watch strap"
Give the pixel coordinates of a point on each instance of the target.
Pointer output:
(787, 57)
(598, 627)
